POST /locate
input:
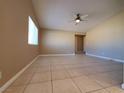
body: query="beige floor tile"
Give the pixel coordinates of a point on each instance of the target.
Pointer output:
(37, 65)
(74, 73)
(22, 80)
(65, 86)
(15, 89)
(116, 75)
(29, 72)
(115, 89)
(42, 69)
(57, 67)
(113, 78)
(77, 72)
(100, 91)
(57, 75)
(88, 74)
(90, 70)
(104, 83)
(100, 69)
(41, 77)
(39, 88)
(86, 84)
(74, 66)
(106, 80)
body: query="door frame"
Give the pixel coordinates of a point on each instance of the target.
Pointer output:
(76, 41)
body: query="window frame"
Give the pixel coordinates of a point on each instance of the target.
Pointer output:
(32, 35)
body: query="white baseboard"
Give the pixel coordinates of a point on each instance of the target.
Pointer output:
(57, 54)
(107, 58)
(8, 83)
(122, 86)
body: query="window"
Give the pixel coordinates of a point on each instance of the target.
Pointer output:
(32, 32)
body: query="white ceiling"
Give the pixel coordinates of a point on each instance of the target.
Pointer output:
(58, 14)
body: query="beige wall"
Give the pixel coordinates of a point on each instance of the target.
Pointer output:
(107, 39)
(57, 42)
(15, 53)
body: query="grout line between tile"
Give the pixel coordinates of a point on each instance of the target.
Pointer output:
(51, 77)
(80, 89)
(29, 82)
(74, 82)
(70, 77)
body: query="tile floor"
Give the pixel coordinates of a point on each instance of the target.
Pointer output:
(70, 74)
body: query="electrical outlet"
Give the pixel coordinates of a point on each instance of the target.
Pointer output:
(0, 75)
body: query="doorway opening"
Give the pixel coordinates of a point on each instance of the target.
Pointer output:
(79, 44)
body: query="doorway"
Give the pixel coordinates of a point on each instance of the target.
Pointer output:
(79, 44)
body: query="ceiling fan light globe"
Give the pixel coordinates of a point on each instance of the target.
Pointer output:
(77, 21)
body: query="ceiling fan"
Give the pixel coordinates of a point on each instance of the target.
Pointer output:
(78, 18)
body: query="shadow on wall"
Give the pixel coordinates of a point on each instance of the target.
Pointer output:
(107, 39)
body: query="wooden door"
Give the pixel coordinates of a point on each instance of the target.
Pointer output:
(79, 44)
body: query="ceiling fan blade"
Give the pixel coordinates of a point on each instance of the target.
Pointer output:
(84, 16)
(70, 21)
(84, 20)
